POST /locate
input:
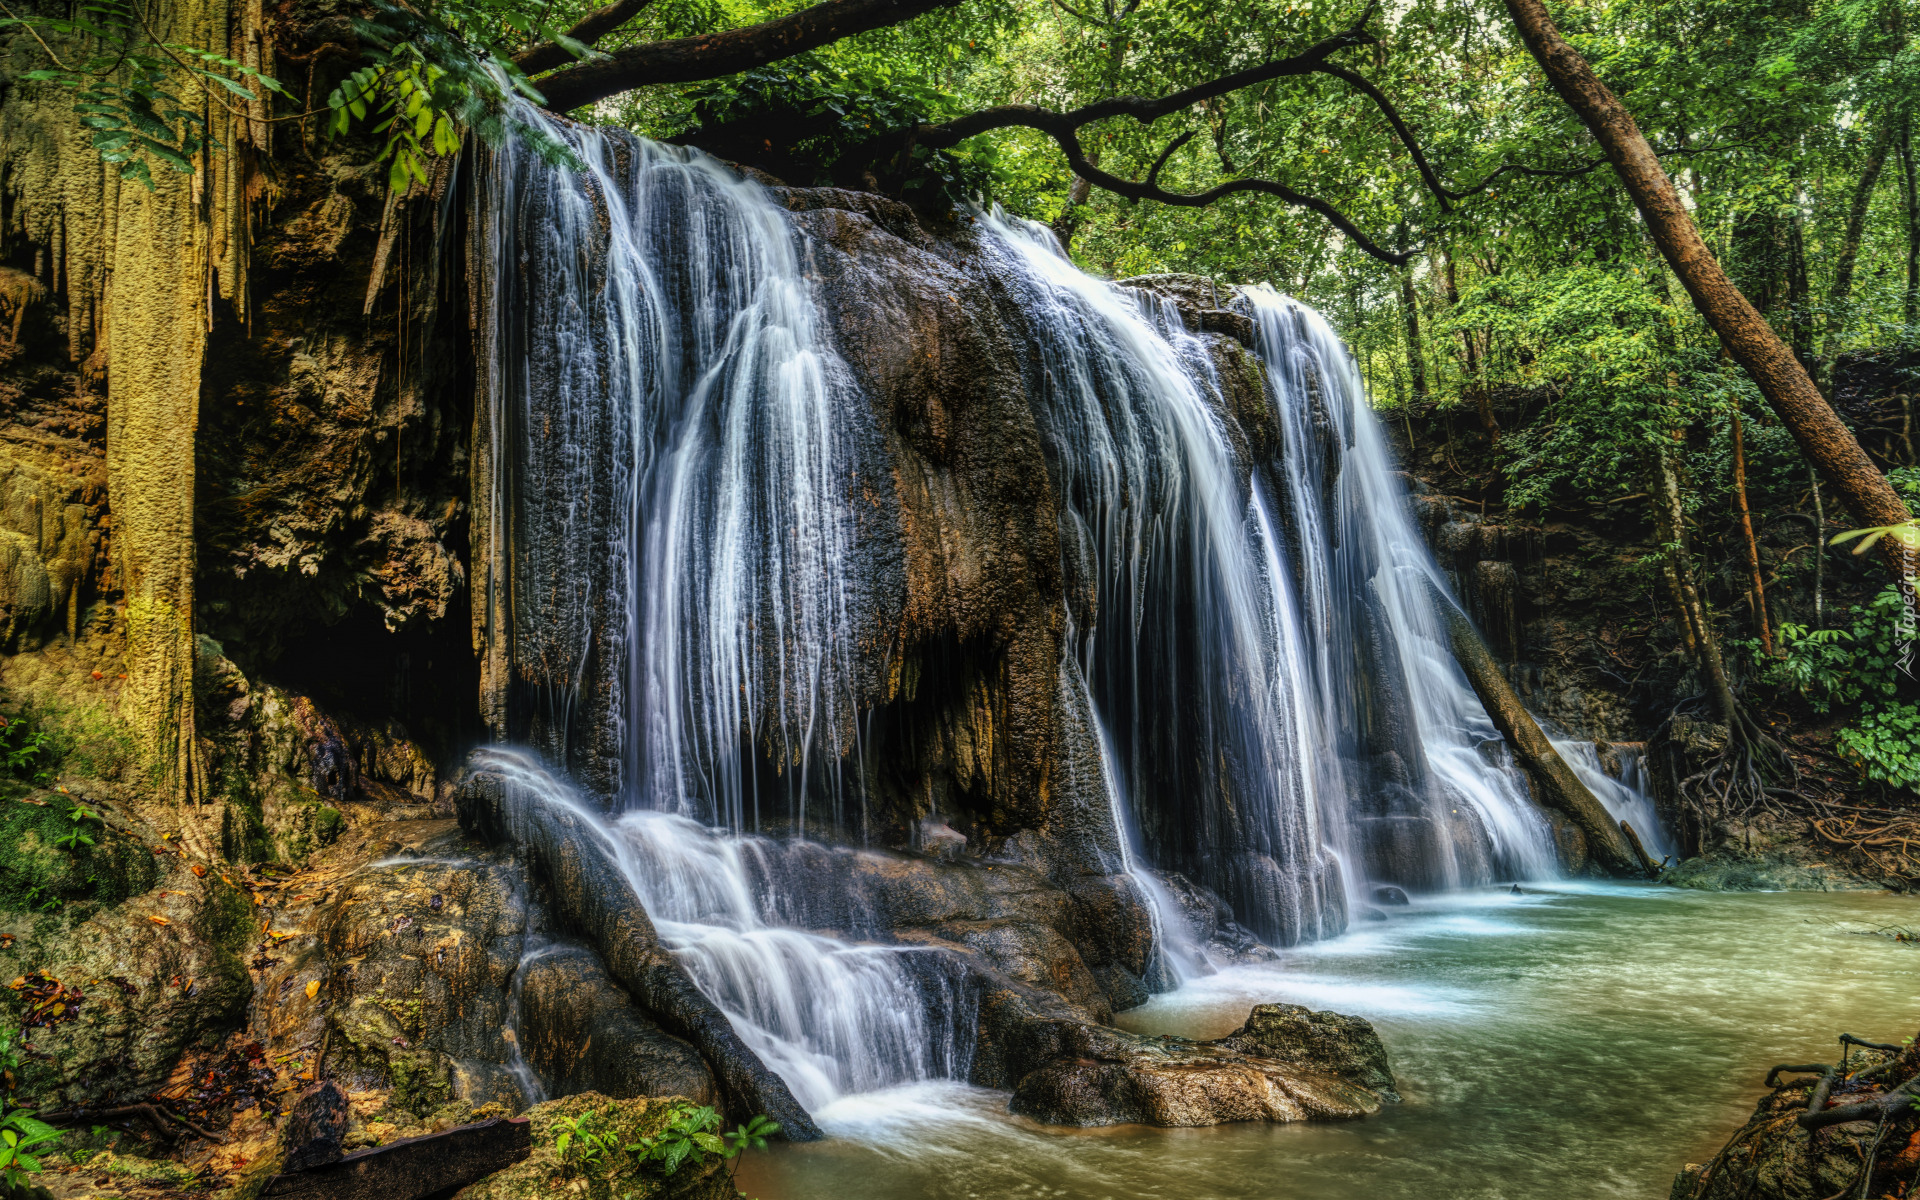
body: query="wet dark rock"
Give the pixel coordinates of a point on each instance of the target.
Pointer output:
(582, 1033)
(1107, 1077)
(1388, 894)
(1210, 920)
(316, 1125)
(1342, 1046)
(1370, 913)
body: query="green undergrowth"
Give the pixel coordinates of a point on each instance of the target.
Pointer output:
(48, 859)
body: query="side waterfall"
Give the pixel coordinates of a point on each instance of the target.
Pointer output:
(684, 557)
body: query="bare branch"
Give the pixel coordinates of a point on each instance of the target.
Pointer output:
(589, 29)
(1064, 127)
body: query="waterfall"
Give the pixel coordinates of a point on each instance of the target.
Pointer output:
(688, 562)
(1437, 806)
(830, 1016)
(673, 452)
(1193, 662)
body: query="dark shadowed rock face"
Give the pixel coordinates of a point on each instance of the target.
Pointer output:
(581, 1032)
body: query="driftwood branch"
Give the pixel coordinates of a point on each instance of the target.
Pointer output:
(412, 1168)
(165, 1123)
(1887, 1104)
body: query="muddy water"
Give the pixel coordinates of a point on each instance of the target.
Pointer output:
(1576, 1041)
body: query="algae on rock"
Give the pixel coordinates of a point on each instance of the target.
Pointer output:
(618, 1174)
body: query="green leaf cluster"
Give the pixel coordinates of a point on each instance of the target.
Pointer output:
(430, 77)
(128, 89)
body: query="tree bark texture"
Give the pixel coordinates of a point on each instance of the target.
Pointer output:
(712, 55)
(1559, 788)
(412, 1168)
(1909, 170)
(1410, 308)
(1822, 436)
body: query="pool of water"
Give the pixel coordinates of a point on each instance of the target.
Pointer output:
(1575, 1041)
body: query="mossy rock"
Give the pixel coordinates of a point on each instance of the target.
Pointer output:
(1774, 872)
(618, 1175)
(149, 1172)
(39, 874)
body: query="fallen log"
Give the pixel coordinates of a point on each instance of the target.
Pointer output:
(1557, 786)
(566, 849)
(411, 1168)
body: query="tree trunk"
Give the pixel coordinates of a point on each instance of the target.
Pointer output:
(1856, 227)
(1559, 788)
(1670, 527)
(1822, 437)
(1910, 302)
(1482, 401)
(1416, 361)
(1746, 529)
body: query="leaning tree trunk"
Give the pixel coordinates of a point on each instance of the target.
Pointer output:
(1822, 437)
(1558, 787)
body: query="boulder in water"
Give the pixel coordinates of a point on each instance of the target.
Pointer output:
(1107, 1077)
(1389, 894)
(1344, 1047)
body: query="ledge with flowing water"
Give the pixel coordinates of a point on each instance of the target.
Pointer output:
(809, 526)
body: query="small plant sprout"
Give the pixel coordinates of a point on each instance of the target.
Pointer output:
(78, 836)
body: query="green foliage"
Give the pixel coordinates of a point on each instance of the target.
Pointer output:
(1863, 664)
(431, 78)
(130, 89)
(23, 1140)
(584, 1141)
(78, 836)
(1884, 744)
(688, 1133)
(818, 122)
(29, 749)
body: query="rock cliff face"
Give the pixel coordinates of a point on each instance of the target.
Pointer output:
(308, 907)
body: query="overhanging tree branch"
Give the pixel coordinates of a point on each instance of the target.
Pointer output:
(589, 29)
(1064, 128)
(709, 56)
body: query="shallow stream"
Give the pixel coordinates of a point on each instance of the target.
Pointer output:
(1575, 1041)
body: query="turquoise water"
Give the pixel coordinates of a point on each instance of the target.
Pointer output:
(1577, 1041)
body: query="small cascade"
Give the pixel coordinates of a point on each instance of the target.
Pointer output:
(1191, 663)
(1627, 793)
(1432, 803)
(829, 1016)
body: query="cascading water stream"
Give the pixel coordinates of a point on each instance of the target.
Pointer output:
(1193, 652)
(829, 1016)
(675, 592)
(1424, 753)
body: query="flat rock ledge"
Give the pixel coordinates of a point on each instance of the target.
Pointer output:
(1285, 1064)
